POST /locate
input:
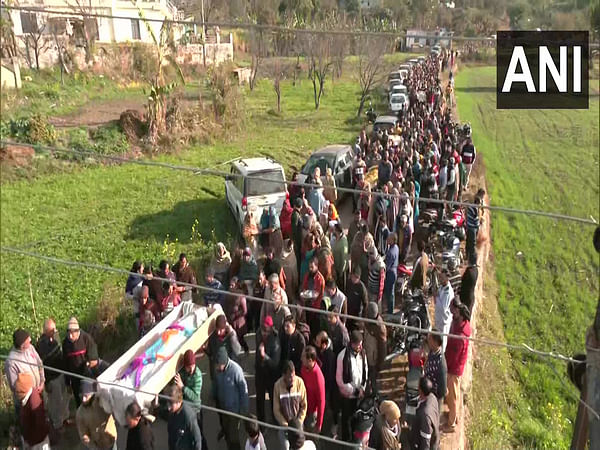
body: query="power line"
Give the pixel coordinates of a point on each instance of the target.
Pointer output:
(166, 397)
(245, 25)
(223, 174)
(521, 347)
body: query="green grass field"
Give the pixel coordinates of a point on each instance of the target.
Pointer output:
(133, 208)
(546, 271)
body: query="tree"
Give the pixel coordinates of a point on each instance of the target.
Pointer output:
(87, 28)
(36, 40)
(160, 87)
(258, 51)
(8, 42)
(371, 50)
(280, 70)
(317, 48)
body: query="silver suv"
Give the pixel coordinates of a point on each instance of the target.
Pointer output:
(254, 184)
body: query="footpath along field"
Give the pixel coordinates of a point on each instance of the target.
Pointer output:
(546, 271)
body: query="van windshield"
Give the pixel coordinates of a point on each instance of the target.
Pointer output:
(266, 185)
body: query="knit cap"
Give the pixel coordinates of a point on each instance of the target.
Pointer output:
(372, 310)
(73, 324)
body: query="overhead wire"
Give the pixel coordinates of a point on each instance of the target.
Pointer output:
(166, 397)
(519, 347)
(224, 174)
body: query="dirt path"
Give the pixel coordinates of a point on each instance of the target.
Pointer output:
(97, 113)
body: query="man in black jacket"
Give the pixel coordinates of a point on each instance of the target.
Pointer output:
(357, 298)
(468, 282)
(292, 344)
(268, 355)
(182, 426)
(425, 434)
(435, 367)
(80, 353)
(140, 435)
(50, 352)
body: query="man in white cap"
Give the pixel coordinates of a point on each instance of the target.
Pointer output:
(80, 353)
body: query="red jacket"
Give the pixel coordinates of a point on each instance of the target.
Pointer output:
(34, 425)
(315, 392)
(318, 285)
(458, 349)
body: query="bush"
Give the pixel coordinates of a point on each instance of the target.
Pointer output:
(32, 130)
(109, 139)
(143, 61)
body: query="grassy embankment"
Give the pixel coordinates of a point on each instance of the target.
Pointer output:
(546, 271)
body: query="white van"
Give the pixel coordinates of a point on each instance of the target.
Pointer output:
(253, 185)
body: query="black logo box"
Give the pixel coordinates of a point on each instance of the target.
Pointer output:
(531, 41)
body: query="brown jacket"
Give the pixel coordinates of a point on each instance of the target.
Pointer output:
(94, 422)
(375, 342)
(288, 405)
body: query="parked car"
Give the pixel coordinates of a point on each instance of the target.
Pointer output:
(436, 49)
(243, 192)
(398, 102)
(413, 61)
(421, 59)
(387, 122)
(403, 73)
(398, 89)
(338, 157)
(393, 83)
(395, 75)
(405, 66)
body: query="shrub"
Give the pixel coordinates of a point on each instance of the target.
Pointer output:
(32, 130)
(109, 139)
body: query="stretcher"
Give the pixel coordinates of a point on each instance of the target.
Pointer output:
(153, 361)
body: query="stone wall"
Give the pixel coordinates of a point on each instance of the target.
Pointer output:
(193, 54)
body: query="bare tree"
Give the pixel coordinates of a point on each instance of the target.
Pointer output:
(371, 50)
(339, 50)
(36, 40)
(258, 51)
(318, 53)
(87, 28)
(280, 71)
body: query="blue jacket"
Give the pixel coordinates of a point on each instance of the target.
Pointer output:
(316, 201)
(230, 389)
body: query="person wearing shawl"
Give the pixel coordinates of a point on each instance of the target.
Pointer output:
(316, 200)
(235, 309)
(330, 191)
(270, 229)
(250, 230)
(285, 219)
(134, 281)
(248, 267)
(385, 434)
(221, 262)
(332, 213)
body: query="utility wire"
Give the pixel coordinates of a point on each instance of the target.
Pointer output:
(264, 27)
(166, 397)
(224, 174)
(522, 347)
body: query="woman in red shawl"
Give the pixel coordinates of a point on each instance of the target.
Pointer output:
(285, 219)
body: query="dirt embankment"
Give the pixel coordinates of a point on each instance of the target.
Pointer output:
(459, 439)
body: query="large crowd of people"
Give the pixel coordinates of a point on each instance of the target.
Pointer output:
(318, 369)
